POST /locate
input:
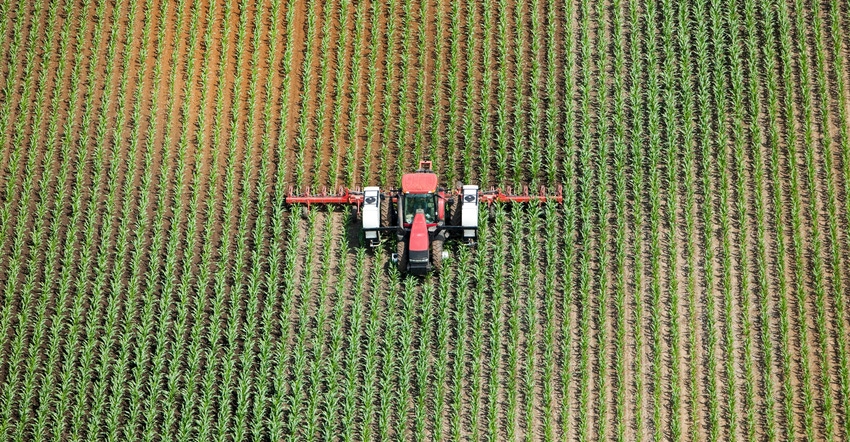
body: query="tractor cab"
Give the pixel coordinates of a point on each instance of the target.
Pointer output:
(419, 192)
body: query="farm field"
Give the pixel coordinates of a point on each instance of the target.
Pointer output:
(692, 286)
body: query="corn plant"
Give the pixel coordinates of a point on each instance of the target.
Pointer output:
(218, 210)
(451, 125)
(10, 158)
(619, 159)
(279, 282)
(303, 132)
(652, 105)
(371, 93)
(53, 259)
(585, 226)
(298, 350)
(537, 89)
(437, 94)
(689, 136)
(38, 232)
(637, 216)
(834, 264)
(317, 343)
(502, 135)
(496, 329)
(13, 161)
(783, 21)
(484, 144)
(339, 86)
(178, 266)
(569, 227)
(441, 362)
(816, 264)
(193, 381)
(370, 360)
(402, 94)
(287, 283)
(17, 248)
(387, 391)
(761, 218)
(352, 358)
(171, 242)
(772, 59)
(461, 319)
(249, 269)
(389, 87)
(477, 341)
(552, 111)
(602, 244)
(518, 144)
(423, 366)
(670, 97)
(717, 16)
(333, 365)
(549, 324)
(97, 256)
(530, 328)
(120, 385)
(515, 271)
(267, 283)
(706, 171)
(841, 116)
(319, 118)
(112, 285)
(406, 358)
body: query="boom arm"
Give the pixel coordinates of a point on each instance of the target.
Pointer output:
(343, 196)
(497, 196)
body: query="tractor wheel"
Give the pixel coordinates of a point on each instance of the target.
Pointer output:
(392, 214)
(402, 256)
(437, 254)
(456, 212)
(386, 212)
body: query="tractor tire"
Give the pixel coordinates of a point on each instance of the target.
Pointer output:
(392, 213)
(437, 254)
(387, 209)
(456, 212)
(402, 256)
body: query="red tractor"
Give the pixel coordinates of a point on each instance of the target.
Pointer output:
(422, 215)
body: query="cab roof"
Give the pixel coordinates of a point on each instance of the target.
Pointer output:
(419, 182)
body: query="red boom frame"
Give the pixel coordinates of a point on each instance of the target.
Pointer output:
(347, 196)
(496, 195)
(343, 196)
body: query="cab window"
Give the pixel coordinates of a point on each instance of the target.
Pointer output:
(412, 203)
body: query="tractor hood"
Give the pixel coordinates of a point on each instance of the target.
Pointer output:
(418, 259)
(419, 233)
